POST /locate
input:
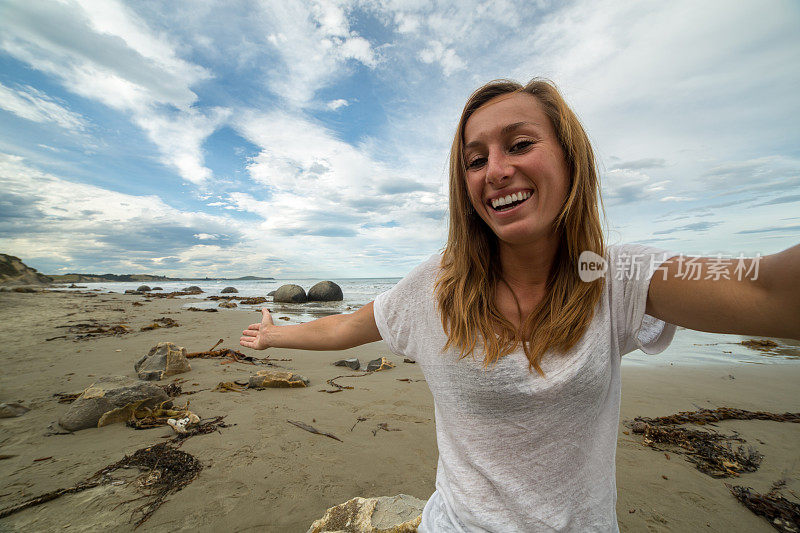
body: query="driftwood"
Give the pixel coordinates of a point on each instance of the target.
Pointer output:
(312, 429)
(383, 426)
(234, 356)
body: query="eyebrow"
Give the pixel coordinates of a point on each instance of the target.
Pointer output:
(506, 129)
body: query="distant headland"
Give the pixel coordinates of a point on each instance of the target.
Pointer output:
(89, 278)
(14, 272)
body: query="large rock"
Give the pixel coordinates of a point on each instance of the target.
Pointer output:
(14, 272)
(387, 514)
(193, 289)
(228, 290)
(293, 294)
(143, 288)
(352, 363)
(164, 359)
(379, 364)
(10, 410)
(325, 291)
(107, 394)
(228, 305)
(276, 379)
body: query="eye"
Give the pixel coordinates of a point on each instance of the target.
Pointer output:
(520, 146)
(476, 162)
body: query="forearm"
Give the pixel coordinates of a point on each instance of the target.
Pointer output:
(336, 332)
(328, 333)
(779, 281)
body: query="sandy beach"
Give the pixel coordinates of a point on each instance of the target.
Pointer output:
(262, 473)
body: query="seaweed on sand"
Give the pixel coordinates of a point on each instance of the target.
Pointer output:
(712, 453)
(782, 514)
(164, 469)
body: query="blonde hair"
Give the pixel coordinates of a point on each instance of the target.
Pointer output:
(470, 271)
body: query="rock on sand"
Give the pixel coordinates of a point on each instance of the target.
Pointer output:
(164, 359)
(106, 394)
(390, 514)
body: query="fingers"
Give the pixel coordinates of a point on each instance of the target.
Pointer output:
(246, 342)
(266, 319)
(249, 333)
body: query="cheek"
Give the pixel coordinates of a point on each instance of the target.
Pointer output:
(474, 190)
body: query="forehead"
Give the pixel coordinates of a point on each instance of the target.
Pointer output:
(501, 111)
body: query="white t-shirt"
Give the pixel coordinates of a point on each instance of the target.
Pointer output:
(519, 452)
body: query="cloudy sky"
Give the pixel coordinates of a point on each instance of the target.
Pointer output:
(310, 138)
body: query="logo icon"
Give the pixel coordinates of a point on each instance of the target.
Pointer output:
(591, 266)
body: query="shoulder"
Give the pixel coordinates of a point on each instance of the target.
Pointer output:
(428, 270)
(630, 261)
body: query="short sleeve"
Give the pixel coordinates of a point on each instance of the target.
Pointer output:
(630, 269)
(402, 312)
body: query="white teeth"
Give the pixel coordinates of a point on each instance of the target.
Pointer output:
(505, 200)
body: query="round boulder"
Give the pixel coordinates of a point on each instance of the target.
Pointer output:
(143, 288)
(271, 293)
(193, 289)
(107, 394)
(229, 290)
(293, 294)
(163, 360)
(325, 291)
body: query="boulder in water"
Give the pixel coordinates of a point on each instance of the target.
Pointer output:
(229, 290)
(164, 359)
(193, 289)
(143, 288)
(290, 294)
(325, 291)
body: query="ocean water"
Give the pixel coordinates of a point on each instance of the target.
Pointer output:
(688, 346)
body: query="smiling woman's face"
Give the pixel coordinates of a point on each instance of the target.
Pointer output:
(516, 176)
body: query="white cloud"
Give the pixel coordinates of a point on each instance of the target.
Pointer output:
(313, 42)
(105, 52)
(446, 57)
(32, 104)
(333, 105)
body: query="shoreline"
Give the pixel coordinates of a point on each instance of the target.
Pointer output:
(265, 474)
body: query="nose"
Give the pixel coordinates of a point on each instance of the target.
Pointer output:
(498, 169)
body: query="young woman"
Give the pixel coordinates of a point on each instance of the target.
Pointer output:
(520, 350)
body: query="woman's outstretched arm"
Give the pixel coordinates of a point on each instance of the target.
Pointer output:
(335, 332)
(749, 297)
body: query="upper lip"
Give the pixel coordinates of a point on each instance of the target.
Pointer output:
(506, 192)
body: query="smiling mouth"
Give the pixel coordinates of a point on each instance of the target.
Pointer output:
(510, 201)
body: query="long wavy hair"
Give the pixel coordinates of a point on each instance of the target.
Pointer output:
(470, 270)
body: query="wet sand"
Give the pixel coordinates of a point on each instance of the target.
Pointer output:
(262, 473)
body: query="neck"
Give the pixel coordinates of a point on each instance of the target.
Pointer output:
(526, 267)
